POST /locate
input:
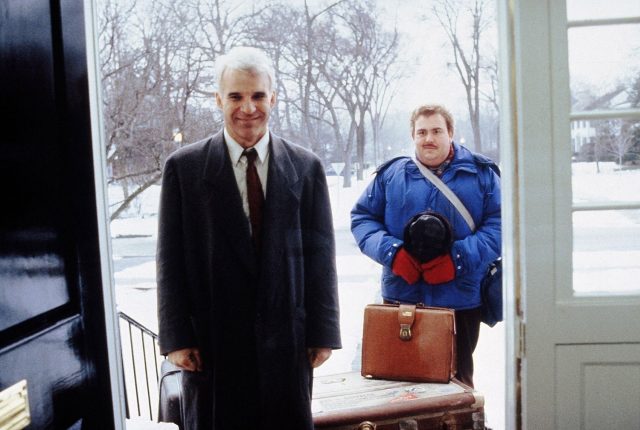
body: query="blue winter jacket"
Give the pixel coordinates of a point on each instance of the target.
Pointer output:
(399, 191)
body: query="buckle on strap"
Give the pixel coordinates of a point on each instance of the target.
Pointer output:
(406, 317)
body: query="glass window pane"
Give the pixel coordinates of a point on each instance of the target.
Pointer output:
(606, 252)
(606, 156)
(595, 9)
(604, 65)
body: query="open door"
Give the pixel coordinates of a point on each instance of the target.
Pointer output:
(572, 223)
(57, 321)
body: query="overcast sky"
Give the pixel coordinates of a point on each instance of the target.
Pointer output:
(433, 78)
(599, 57)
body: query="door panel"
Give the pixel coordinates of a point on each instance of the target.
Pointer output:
(53, 324)
(598, 386)
(56, 374)
(31, 248)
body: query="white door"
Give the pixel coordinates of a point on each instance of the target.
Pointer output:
(571, 94)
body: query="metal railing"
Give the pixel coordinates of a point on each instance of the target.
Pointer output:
(141, 363)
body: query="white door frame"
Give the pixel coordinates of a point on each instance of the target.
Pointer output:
(550, 331)
(116, 372)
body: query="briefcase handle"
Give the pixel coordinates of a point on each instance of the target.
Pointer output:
(406, 317)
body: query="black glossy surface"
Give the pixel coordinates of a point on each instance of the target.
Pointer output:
(56, 379)
(52, 324)
(32, 257)
(32, 276)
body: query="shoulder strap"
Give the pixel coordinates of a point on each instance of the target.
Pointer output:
(431, 177)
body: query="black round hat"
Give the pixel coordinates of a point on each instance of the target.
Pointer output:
(427, 235)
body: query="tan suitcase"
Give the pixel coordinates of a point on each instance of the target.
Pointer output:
(349, 401)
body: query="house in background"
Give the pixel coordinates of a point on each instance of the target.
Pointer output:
(584, 132)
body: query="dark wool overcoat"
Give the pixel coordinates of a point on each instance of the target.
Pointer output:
(252, 314)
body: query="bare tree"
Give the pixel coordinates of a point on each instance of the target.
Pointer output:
(335, 68)
(358, 55)
(311, 79)
(492, 116)
(466, 53)
(149, 75)
(617, 138)
(214, 25)
(384, 91)
(328, 89)
(301, 113)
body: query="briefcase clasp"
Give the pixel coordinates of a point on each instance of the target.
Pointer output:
(405, 332)
(406, 317)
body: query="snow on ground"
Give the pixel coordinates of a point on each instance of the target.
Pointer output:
(598, 264)
(608, 185)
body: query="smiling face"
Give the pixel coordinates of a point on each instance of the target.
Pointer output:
(432, 139)
(246, 100)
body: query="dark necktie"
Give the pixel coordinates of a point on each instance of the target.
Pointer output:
(255, 196)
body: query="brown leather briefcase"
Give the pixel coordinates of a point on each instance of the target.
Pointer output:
(409, 343)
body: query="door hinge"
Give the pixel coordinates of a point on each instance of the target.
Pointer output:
(521, 339)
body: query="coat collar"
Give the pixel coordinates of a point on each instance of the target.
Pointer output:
(216, 158)
(280, 162)
(236, 150)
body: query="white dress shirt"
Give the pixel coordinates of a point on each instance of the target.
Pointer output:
(239, 164)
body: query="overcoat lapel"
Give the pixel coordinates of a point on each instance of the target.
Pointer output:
(225, 202)
(282, 200)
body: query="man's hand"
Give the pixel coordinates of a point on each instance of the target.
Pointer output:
(187, 359)
(317, 356)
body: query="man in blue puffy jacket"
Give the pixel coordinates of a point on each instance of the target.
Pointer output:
(400, 195)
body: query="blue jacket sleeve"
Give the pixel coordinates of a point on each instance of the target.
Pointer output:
(368, 225)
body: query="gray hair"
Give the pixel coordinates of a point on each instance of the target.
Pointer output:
(247, 59)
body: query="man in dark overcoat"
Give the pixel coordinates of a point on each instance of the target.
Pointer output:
(247, 308)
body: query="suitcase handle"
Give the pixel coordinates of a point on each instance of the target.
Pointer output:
(406, 317)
